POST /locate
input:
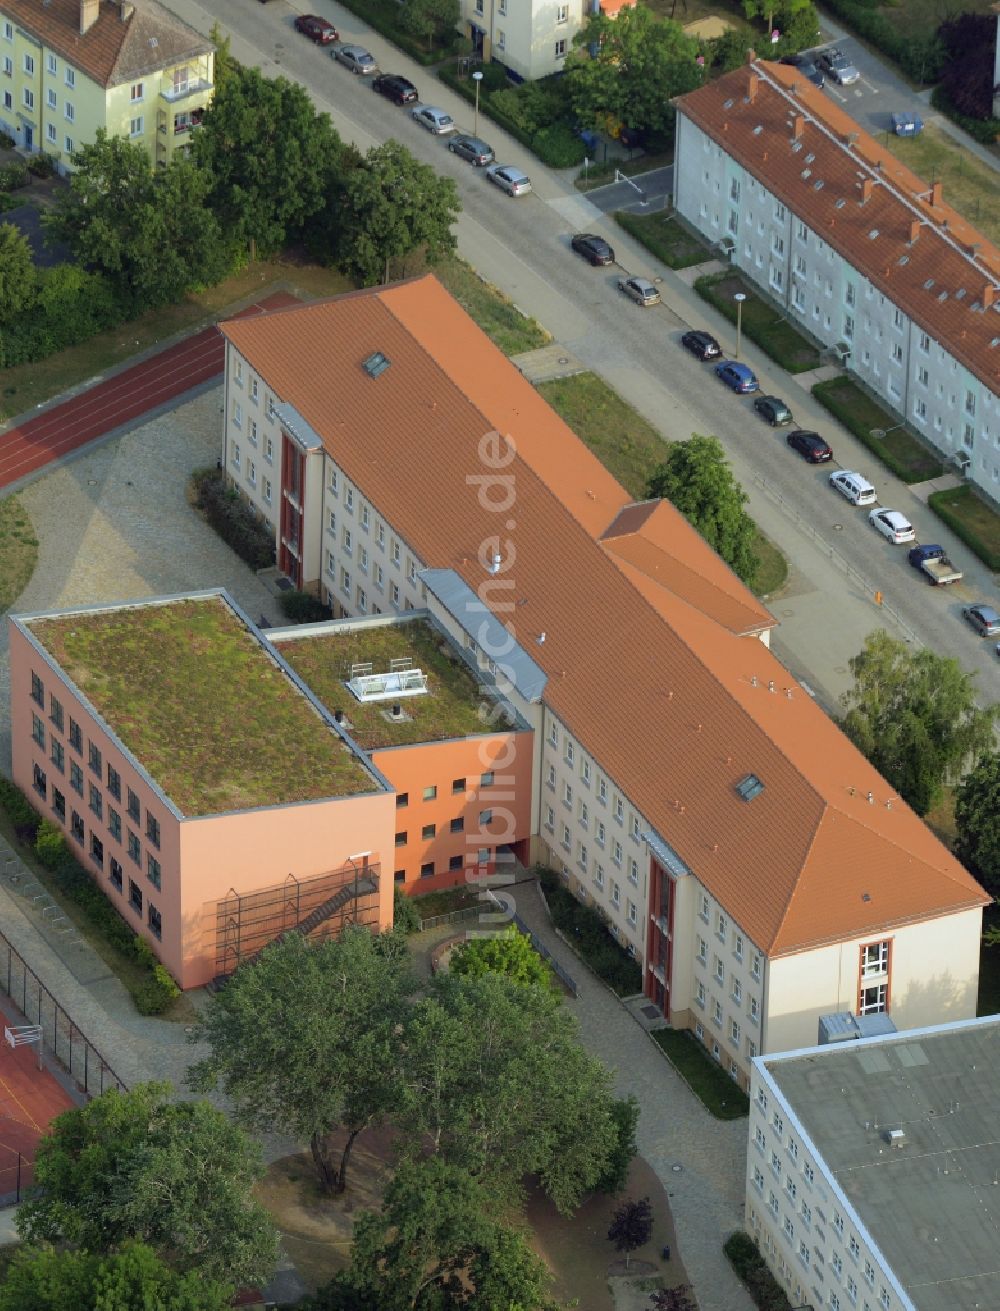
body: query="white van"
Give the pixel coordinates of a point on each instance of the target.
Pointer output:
(854, 486)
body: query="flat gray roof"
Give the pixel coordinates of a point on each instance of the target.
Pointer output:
(930, 1203)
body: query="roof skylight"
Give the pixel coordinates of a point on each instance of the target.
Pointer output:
(750, 787)
(375, 364)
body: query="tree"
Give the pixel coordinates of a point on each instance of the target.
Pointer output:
(485, 1054)
(696, 477)
(729, 50)
(977, 819)
(270, 157)
(150, 233)
(436, 1245)
(306, 1040)
(509, 953)
(631, 1226)
(967, 75)
(430, 19)
(393, 206)
(625, 1117)
(134, 1279)
(680, 1298)
(176, 1176)
(914, 715)
(641, 61)
(18, 281)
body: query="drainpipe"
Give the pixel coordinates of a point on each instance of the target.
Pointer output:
(763, 1004)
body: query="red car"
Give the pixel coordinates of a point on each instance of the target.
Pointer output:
(316, 29)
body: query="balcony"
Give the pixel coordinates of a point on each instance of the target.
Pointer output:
(177, 91)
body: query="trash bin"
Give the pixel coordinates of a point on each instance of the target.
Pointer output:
(666, 1251)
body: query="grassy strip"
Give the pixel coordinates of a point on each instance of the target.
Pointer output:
(665, 237)
(745, 1258)
(899, 450)
(507, 327)
(972, 520)
(445, 901)
(706, 1078)
(18, 551)
(630, 448)
(760, 322)
(586, 930)
(383, 16)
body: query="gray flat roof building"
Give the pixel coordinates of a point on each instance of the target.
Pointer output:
(885, 1153)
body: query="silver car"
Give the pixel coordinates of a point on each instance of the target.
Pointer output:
(356, 58)
(837, 66)
(509, 179)
(473, 149)
(434, 120)
(641, 290)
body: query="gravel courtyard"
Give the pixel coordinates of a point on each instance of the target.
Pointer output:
(115, 525)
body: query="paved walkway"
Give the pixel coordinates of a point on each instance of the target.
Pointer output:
(115, 403)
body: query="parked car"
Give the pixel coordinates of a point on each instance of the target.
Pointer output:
(736, 376)
(593, 247)
(934, 565)
(810, 445)
(772, 410)
(702, 344)
(983, 618)
(509, 179)
(854, 487)
(892, 524)
(316, 29)
(400, 90)
(837, 66)
(472, 149)
(641, 290)
(806, 64)
(433, 119)
(356, 58)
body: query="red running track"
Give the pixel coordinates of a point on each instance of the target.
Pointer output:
(128, 395)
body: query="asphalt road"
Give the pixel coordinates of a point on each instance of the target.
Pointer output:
(643, 194)
(837, 562)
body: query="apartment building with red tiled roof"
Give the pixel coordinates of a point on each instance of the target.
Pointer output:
(865, 255)
(74, 66)
(683, 782)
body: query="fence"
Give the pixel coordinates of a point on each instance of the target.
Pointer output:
(17, 1174)
(834, 555)
(451, 917)
(60, 1034)
(540, 947)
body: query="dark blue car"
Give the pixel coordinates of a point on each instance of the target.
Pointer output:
(737, 376)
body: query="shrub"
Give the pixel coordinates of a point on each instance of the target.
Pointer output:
(303, 607)
(232, 518)
(984, 130)
(154, 995)
(586, 930)
(20, 811)
(72, 305)
(13, 175)
(50, 845)
(42, 165)
(765, 1291)
(558, 146)
(405, 916)
(7, 142)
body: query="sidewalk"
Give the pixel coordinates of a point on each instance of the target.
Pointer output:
(700, 1161)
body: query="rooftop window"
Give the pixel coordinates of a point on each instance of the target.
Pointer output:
(750, 787)
(375, 364)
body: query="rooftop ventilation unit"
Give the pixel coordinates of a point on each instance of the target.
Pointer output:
(758, 129)
(873, 234)
(895, 1137)
(928, 284)
(729, 104)
(806, 173)
(960, 294)
(390, 686)
(904, 259)
(375, 364)
(810, 157)
(750, 787)
(818, 186)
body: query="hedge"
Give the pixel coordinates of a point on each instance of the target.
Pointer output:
(232, 518)
(584, 927)
(153, 993)
(984, 130)
(920, 57)
(303, 607)
(555, 144)
(941, 503)
(745, 1258)
(920, 468)
(13, 175)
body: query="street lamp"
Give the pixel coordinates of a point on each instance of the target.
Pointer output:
(477, 77)
(739, 298)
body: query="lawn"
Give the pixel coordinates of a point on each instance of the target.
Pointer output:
(665, 237)
(630, 448)
(970, 186)
(447, 900)
(449, 709)
(761, 322)
(497, 315)
(897, 448)
(28, 385)
(18, 551)
(195, 698)
(706, 1078)
(971, 519)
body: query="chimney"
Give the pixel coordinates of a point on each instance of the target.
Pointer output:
(936, 193)
(89, 13)
(752, 86)
(914, 230)
(989, 295)
(798, 127)
(867, 190)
